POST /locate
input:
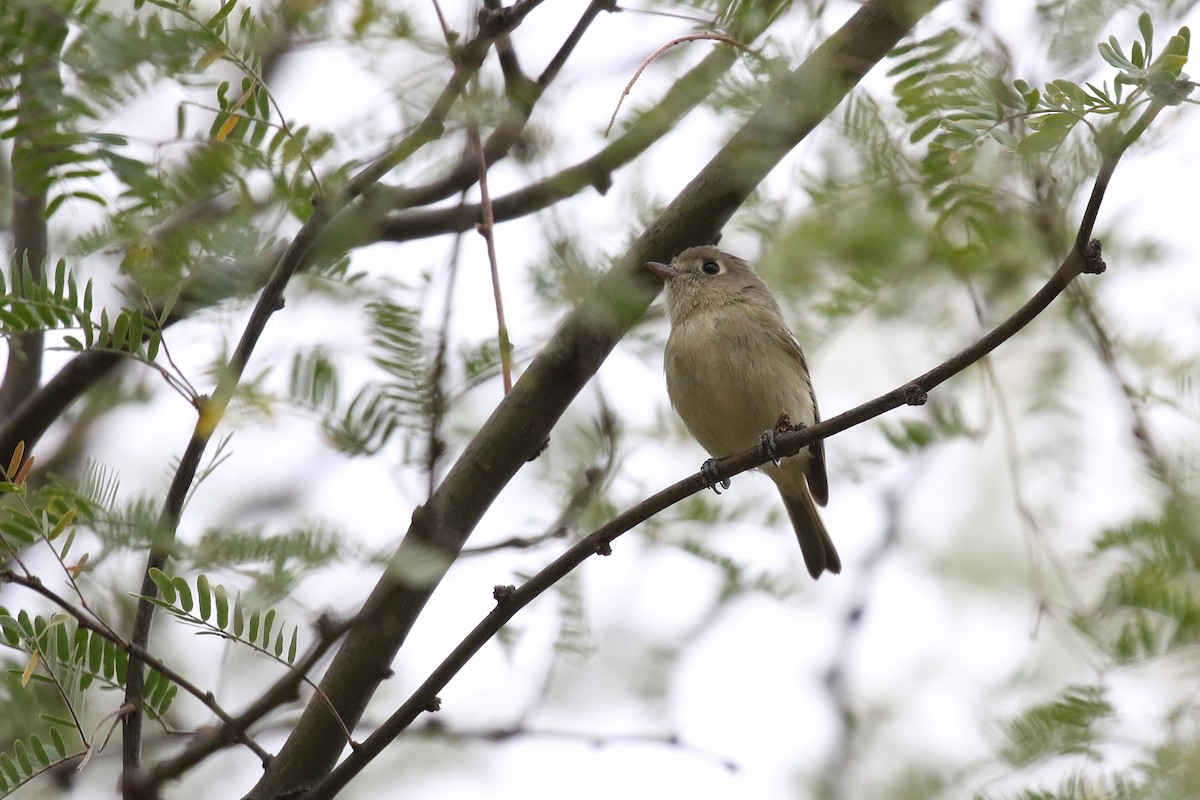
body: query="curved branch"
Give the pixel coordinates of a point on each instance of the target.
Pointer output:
(510, 600)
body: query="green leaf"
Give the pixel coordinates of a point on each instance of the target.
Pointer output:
(22, 754)
(9, 769)
(268, 623)
(221, 596)
(1146, 29)
(62, 524)
(239, 618)
(56, 739)
(185, 593)
(216, 19)
(166, 588)
(204, 597)
(96, 654)
(39, 750)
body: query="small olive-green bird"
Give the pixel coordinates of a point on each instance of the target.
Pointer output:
(733, 367)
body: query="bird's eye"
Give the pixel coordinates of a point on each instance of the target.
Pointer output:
(711, 267)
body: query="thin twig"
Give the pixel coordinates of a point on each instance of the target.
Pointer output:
(691, 37)
(487, 231)
(523, 96)
(438, 401)
(487, 227)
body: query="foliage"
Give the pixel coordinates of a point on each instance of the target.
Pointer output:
(937, 200)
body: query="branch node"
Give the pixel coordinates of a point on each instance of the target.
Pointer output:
(1093, 264)
(540, 449)
(603, 548)
(914, 395)
(502, 593)
(435, 704)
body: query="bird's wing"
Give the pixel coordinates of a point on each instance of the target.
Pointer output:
(818, 480)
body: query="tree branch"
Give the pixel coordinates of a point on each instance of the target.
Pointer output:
(523, 95)
(683, 96)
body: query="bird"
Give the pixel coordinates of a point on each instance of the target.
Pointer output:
(735, 372)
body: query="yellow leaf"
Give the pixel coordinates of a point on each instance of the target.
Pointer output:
(209, 58)
(34, 658)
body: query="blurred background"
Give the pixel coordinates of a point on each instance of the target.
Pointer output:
(1018, 615)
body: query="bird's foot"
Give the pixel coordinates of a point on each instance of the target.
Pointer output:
(708, 472)
(767, 442)
(767, 439)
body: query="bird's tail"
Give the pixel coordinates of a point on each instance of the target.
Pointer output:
(815, 544)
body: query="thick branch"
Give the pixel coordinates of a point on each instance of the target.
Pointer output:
(522, 421)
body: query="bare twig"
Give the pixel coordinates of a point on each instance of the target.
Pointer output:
(691, 37)
(486, 228)
(523, 95)
(838, 769)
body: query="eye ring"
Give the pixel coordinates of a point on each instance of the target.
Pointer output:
(710, 267)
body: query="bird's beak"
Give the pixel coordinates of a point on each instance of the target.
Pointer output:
(664, 271)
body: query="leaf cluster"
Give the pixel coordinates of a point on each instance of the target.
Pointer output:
(208, 607)
(58, 304)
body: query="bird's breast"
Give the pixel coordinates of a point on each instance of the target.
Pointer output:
(730, 383)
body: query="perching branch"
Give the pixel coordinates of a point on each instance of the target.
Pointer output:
(510, 600)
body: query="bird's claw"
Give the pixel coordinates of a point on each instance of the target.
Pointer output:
(708, 472)
(767, 441)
